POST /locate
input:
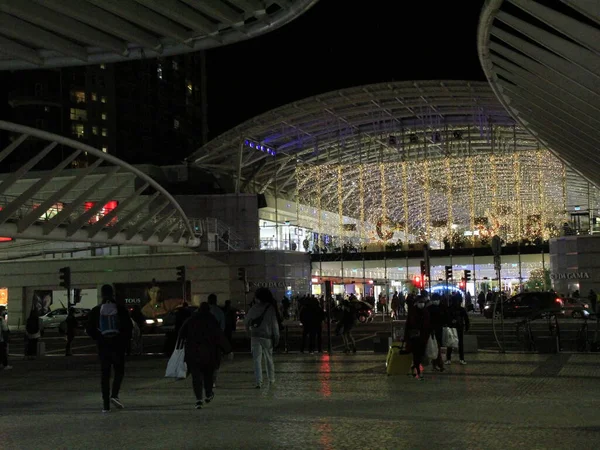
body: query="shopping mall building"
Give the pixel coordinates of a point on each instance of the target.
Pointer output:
(347, 186)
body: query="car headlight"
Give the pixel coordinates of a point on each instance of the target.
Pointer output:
(586, 313)
(149, 321)
(487, 307)
(159, 320)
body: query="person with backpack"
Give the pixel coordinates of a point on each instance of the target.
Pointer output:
(110, 326)
(261, 321)
(204, 342)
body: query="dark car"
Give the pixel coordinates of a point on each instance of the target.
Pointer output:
(527, 304)
(576, 308)
(363, 310)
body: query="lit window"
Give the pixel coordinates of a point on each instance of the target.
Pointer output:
(46, 108)
(159, 72)
(78, 130)
(176, 124)
(95, 131)
(94, 96)
(105, 149)
(78, 114)
(104, 132)
(78, 96)
(190, 87)
(175, 65)
(103, 66)
(103, 116)
(103, 99)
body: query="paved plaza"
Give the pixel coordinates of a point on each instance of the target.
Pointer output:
(497, 401)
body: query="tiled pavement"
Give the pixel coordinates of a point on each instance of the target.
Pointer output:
(495, 402)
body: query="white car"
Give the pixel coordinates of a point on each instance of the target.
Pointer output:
(54, 318)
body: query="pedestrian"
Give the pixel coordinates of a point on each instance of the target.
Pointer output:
(312, 317)
(346, 325)
(71, 323)
(110, 326)
(416, 333)
(230, 320)
(592, 298)
(458, 319)
(261, 322)
(204, 343)
(4, 340)
(481, 302)
(285, 307)
(394, 305)
(33, 332)
(218, 313)
(401, 304)
(438, 317)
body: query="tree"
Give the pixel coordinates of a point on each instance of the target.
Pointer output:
(539, 280)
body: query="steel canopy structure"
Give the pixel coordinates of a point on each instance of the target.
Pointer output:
(544, 66)
(396, 121)
(109, 201)
(45, 34)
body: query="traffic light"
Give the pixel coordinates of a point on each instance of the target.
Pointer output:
(423, 269)
(181, 274)
(448, 273)
(76, 296)
(467, 275)
(242, 274)
(418, 281)
(65, 277)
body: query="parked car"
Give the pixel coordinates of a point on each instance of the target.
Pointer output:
(54, 318)
(576, 308)
(363, 311)
(527, 304)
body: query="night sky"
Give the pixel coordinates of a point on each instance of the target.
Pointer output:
(333, 47)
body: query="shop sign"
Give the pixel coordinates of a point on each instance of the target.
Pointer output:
(570, 276)
(267, 284)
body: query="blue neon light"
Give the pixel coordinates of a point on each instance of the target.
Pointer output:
(257, 146)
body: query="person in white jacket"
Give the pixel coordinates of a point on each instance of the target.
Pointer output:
(261, 322)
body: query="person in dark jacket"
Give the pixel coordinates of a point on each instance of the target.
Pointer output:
(71, 323)
(416, 333)
(33, 332)
(230, 320)
(112, 343)
(312, 317)
(347, 322)
(438, 317)
(459, 319)
(204, 343)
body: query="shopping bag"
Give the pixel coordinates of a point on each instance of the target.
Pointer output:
(176, 367)
(432, 348)
(398, 360)
(450, 337)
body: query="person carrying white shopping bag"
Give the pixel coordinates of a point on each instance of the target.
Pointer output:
(459, 324)
(177, 367)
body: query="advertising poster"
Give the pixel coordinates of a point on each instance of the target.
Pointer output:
(155, 299)
(42, 300)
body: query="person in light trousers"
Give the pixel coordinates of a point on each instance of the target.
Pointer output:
(261, 322)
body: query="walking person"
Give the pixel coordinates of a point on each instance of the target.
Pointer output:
(71, 323)
(230, 320)
(416, 333)
(394, 305)
(481, 302)
(33, 332)
(4, 339)
(218, 313)
(438, 318)
(110, 326)
(261, 321)
(204, 343)
(401, 304)
(312, 317)
(347, 323)
(458, 319)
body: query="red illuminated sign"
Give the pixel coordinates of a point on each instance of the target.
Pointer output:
(108, 207)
